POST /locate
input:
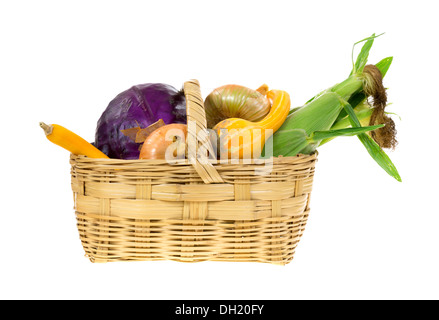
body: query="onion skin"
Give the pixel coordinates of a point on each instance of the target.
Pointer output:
(235, 101)
(158, 142)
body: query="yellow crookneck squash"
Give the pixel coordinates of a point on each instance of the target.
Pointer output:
(71, 141)
(242, 139)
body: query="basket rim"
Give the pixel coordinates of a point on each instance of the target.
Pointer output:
(279, 159)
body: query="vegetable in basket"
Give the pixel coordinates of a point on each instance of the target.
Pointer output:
(337, 112)
(70, 141)
(239, 138)
(166, 142)
(138, 107)
(235, 101)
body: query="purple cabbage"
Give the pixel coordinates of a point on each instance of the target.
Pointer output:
(139, 106)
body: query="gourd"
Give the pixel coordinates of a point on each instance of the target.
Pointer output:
(239, 138)
(71, 141)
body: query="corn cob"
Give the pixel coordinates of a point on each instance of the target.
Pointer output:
(331, 113)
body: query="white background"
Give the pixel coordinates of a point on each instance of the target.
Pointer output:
(368, 236)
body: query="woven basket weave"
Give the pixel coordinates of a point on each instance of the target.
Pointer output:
(191, 210)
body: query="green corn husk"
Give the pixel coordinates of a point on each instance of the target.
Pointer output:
(363, 112)
(304, 118)
(297, 140)
(372, 147)
(360, 97)
(331, 114)
(317, 115)
(359, 103)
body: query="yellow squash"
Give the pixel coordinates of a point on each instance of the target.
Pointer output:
(243, 139)
(71, 141)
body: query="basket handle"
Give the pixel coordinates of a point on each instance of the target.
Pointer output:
(198, 140)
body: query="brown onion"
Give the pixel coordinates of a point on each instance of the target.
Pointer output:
(167, 142)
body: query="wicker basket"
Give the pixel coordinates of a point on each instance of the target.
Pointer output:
(192, 210)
